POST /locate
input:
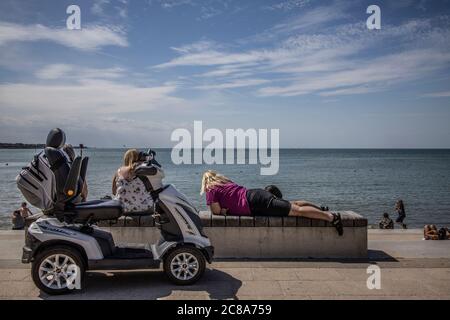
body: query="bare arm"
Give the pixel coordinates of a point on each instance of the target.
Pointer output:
(114, 187)
(217, 210)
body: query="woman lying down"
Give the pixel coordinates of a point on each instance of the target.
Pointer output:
(224, 197)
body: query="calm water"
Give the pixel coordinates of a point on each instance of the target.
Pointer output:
(366, 181)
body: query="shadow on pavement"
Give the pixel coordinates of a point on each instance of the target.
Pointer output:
(379, 255)
(372, 256)
(150, 285)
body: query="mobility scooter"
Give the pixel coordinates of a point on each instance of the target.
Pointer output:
(66, 242)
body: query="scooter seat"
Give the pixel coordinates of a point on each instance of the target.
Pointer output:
(95, 210)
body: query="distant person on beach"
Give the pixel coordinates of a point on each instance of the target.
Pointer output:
(224, 197)
(400, 208)
(443, 234)
(430, 232)
(386, 222)
(17, 220)
(24, 211)
(70, 153)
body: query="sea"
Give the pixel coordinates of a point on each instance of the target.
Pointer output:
(367, 181)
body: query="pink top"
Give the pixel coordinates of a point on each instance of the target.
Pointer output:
(230, 196)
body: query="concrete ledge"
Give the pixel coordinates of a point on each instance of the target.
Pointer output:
(263, 237)
(349, 219)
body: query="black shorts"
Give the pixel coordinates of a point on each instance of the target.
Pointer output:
(400, 218)
(263, 203)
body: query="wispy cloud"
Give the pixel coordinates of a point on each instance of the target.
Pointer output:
(211, 58)
(207, 8)
(287, 5)
(326, 62)
(102, 7)
(380, 72)
(314, 17)
(93, 96)
(238, 83)
(304, 21)
(89, 38)
(172, 3)
(98, 7)
(63, 72)
(441, 94)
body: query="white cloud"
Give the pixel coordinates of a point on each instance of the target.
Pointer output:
(54, 71)
(198, 46)
(109, 10)
(384, 71)
(442, 94)
(350, 91)
(91, 96)
(287, 5)
(89, 38)
(213, 57)
(207, 9)
(98, 7)
(313, 18)
(327, 63)
(234, 84)
(174, 3)
(72, 72)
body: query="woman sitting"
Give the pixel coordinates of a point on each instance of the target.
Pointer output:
(128, 188)
(223, 197)
(386, 222)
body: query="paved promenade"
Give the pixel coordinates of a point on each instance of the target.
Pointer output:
(410, 269)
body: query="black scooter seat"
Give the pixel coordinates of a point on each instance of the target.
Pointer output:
(95, 210)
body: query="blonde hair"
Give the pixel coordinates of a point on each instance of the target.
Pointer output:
(211, 179)
(130, 158)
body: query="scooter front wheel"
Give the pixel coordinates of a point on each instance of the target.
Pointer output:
(184, 265)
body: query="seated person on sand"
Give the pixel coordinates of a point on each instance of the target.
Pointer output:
(430, 232)
(224, 197)
(17, 220)
(386, 222)
(443, 234)
(128, 188)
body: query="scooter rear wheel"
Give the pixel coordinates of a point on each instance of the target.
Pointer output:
(184, 265)
(55, 270)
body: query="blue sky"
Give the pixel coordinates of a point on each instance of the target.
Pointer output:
(139, 69)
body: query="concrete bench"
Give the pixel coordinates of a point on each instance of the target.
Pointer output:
(262, 237)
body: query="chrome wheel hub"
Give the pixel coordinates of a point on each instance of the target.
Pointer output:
(55, 271)
(184, 266)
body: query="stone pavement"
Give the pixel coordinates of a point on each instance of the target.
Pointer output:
(410, 269)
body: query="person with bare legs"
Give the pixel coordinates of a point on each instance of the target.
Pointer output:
(224, 197)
